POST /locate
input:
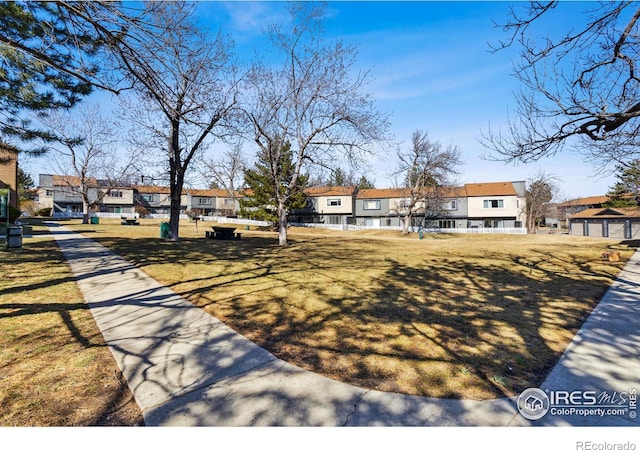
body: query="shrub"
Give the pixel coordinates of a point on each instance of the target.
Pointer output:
(142, 211)
(44, 212)
(14, 213)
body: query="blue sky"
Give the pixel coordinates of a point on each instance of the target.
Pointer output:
(431, 70)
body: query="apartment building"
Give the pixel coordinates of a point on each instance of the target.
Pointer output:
(472, 206)
(61, 193)
(329, 205)
(210, 202)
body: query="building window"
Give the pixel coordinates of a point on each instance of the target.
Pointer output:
(74, 208)
(493, 224)
(116, 194)
(48, 193)
(447, 223)
(451, 206)
(493, 204)
(371, 204)
(204, 201)
(333, 220)
(334, 202)
(147, 197)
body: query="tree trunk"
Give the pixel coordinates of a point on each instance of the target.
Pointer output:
(174, 217)
(405, 224)
(85, 212)
(174, 221)
(282, 224)
(176, 180)
(531, 222)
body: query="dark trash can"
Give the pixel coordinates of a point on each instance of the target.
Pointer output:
(164, 230)
(14, 237)
(95, 220)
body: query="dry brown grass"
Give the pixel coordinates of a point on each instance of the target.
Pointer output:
(55, 369)
(457, 316)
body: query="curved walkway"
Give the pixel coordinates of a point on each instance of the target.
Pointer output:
(186, 368)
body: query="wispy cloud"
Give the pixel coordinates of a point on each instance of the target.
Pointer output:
(252, 17)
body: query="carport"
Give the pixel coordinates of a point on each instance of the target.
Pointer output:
(618, 223)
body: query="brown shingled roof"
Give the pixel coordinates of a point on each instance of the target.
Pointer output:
(153, 189)
(607, 213)
(489, 189)
(70, 180)
(209, 192)
(455, 191)
(383, 193)
(322, 191)
(585, 201)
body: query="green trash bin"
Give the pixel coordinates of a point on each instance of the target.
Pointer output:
(164, 230)
(95, 220)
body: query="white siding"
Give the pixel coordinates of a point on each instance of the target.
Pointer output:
(509, 207)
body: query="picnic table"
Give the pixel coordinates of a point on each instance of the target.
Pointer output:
(127, 221)
(222, 233)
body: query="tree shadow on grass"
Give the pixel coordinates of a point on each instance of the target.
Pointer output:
(449, 328)
(484, 320)
(53, 272)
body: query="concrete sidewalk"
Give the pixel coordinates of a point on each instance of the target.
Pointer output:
(186, 368)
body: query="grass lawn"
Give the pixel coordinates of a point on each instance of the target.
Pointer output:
(455, 316)
(55, 369)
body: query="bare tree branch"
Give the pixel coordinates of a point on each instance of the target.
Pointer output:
(87, 150)
(186, 90)
(580, 89)
(426, 171)
(311, 100)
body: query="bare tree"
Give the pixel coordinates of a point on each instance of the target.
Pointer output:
(86, 157)
(313, 99)
(580, 89)
(542, 189)
(427, 171)
(185, 91)
(225, 170)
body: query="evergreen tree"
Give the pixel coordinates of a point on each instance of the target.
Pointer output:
(39, 68)
(25, 182)
(338, 178)
(364, 183)
(266, 181)
(53, 54)
(341, 178)
(626, 191)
